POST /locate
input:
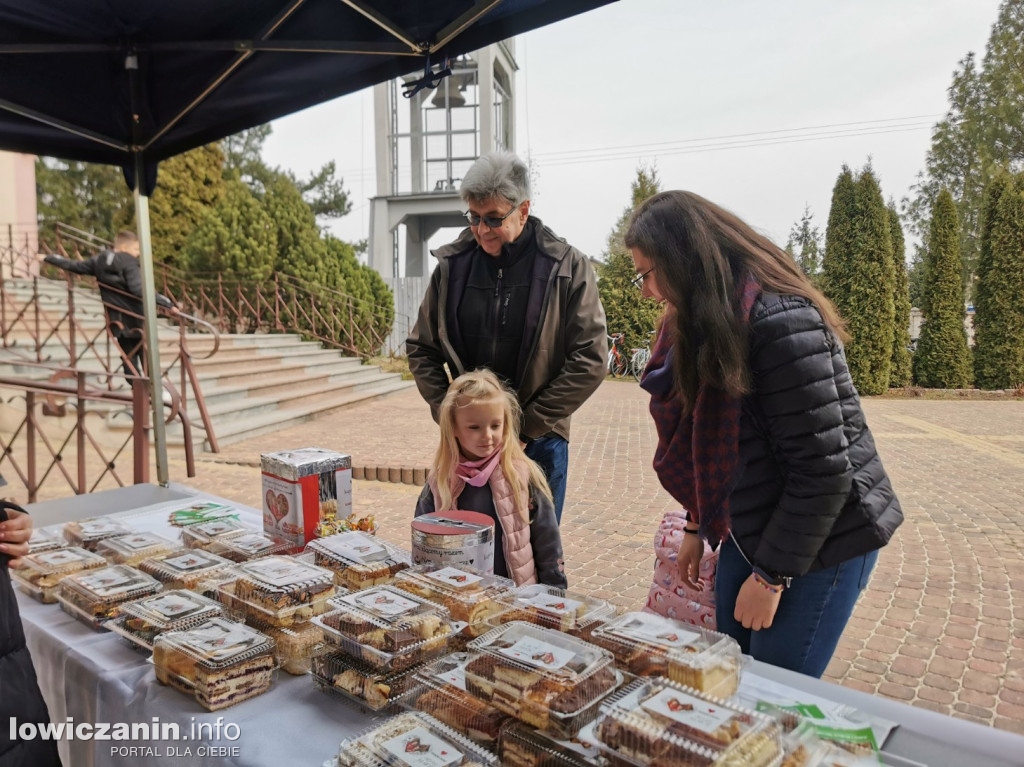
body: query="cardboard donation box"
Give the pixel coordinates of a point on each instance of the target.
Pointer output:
(302, 487)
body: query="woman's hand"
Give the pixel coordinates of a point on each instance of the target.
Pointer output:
(14, 535)
(691, 550)
(756, 605)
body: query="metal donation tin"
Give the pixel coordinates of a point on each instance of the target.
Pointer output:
(301, 487)
(455, 538)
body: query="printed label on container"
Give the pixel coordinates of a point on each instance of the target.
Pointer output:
(538, 653)
(141, 541)
(554, 605)
(583, 743)
(420, 748)
(172, 607)
(649, 628)
(251, 544)
(219, 639)
(452, 576)
(384, 603)
(217, 527)
(456, 677)
(108, 583)
(61, 558)
(685, 709)
(354, 546)
(189, 562)
(101, 527)
(280, 572)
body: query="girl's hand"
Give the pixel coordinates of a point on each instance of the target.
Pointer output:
(14, 535)
(756, 605)
(691, 550)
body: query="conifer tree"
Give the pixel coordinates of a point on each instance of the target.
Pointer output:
(942, 359)
(858, 276)
(626, 309)
(999, 307)
(900, 373)
(804, 245)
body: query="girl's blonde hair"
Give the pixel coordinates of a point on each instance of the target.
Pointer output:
(470, 389)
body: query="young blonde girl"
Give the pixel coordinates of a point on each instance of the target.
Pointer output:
(480, 466)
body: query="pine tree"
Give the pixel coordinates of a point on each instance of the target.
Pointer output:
(982, 132)
(188, 186)
(858, 276)
(999, 306)
(900, 372)
(90, 197)
(373, 304)
(804, 244)
(627, 310)
(236, 238)
(942, 359)
(300, 248)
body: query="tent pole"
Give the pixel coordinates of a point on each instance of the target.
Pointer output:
(149, 312)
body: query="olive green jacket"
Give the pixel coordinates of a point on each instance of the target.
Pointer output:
(565, 339)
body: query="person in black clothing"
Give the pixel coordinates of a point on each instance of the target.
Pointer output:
(20, 698)
(761, 435)
(511, 296)
(120, 281)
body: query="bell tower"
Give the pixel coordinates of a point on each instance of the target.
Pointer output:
(425, 144)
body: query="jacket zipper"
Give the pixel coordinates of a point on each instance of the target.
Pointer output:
(497, 314)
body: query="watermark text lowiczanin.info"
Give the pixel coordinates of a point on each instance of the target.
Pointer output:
(137, 732)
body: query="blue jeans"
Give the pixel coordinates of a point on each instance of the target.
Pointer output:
(552, 453)
(811, 617)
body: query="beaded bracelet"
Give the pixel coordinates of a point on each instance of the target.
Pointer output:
(767, 586)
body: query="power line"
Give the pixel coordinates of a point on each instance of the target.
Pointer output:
(728, 145)
(738, 135)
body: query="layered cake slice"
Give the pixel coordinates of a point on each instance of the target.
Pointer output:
(278, 591)
(143, 620)
(41, 573)
(220, 662)
(97, 595)
(358, 560)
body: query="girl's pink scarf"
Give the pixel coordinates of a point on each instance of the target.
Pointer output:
(478, 472)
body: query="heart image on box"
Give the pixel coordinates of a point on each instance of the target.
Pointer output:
(279, 508)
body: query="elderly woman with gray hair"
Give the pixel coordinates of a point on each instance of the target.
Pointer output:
(511, 296)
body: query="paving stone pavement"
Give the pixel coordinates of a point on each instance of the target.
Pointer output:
(941, 625)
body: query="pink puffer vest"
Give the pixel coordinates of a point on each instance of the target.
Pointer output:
(516, 546)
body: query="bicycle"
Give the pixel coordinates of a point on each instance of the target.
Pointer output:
(618, 365)
(638, 362)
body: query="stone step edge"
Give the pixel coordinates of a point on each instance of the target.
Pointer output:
(404, 474)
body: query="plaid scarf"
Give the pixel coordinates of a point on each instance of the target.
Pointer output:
(697, 460)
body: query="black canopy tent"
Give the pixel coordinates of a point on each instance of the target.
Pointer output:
(130, 82)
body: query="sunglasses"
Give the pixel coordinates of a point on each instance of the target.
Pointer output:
(493, 222)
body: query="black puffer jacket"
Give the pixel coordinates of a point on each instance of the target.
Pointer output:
(813, 491)
(19, 691)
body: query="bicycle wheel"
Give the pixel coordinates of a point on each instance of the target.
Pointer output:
(636, 364)
(621, 366)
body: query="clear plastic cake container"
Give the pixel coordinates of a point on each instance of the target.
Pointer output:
(368, 689)
(550, 680)
(646, 644)
(45, 540)
(388, 628)
(295, 645)
(413, 738)
(141, 621)
(248, 546)
(440, 690)
(220, 662)
(277, 590)
(358, 560)
(41, 573)
(661, 721)
(87, 533)
(471, 596)
(135, 547)
(210, 534)
(98, 595)
(555, 608)
(191, 569)
(523, 746)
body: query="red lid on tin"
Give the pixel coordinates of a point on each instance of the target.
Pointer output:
(452, 523)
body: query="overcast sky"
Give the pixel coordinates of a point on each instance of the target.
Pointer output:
(755, 105)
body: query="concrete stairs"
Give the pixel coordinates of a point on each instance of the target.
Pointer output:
(254, 384)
